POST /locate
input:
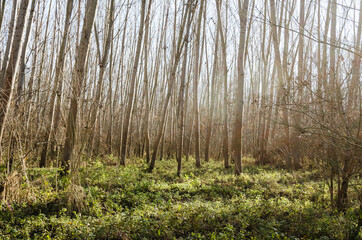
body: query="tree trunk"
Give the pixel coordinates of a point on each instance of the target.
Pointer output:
(8, 43)
(213, 90)
(180, 109)
(132, 87)
(146, 85)
(57, 88)
(356, 66)
(225, 99)
(77, 83)
(171, 82)
(239, 93)
(2, 9)
(281, 94)
(95, 107)
(195, 87)
(21, 79)
(12, 64)
(300, 83)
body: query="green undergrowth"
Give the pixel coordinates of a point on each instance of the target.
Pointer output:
(206, 203)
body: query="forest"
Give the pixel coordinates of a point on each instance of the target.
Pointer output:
(180, 119)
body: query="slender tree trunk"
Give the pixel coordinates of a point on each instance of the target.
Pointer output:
(132, 87)
(28, 100)
(263, 106)
(225, 99)
(41, 70)
(146, 85)
(213, 91)
(57, 88)
(95, 107)
(281, 95)
(2, 9)
(179, 47)
(11, 69)
(22, 66)
(110, 103)
(332, 87)
(196, 85)
(239, 93)
(180, 109)
(300, 81)
(120, 79)
(21, 79)
(356, 66)
(8, 43)
(188, 136)
(77, 83)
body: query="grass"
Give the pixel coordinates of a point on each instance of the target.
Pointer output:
(206, 203)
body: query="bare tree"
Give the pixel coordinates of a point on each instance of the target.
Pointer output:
(77, 82)
(2, 9)
(146, 85)
(21, 78)
(9, 41)
(213, 90)
(56, 94)
(225, 97)
(196, 85)
(103, 58)
(171, 82)
(239, 93)
(281, 95)
(181, 108)
(11, 68)
(132, 87)
(300, 77)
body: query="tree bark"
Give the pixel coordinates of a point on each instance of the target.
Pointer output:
(146, 86)
(195, 87)
(300, 82)
(11, 69)
(54, 110)
(281, 94)
(132, 87)
(225, 133)
(77, 84)
(8, 43)
(213, 91)
(95, 107)
(180, 109)
(171, 82)
(239, 93)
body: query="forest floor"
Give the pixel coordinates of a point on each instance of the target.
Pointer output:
(206, 203)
